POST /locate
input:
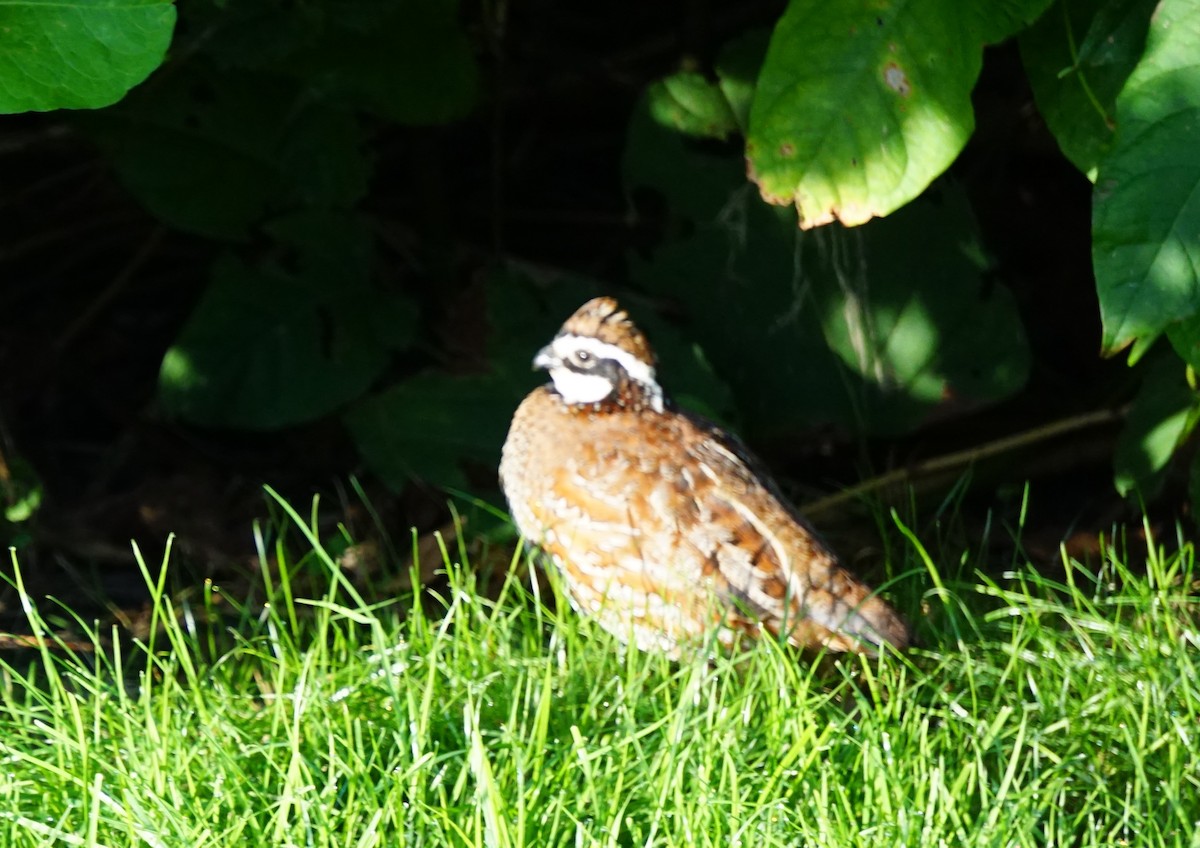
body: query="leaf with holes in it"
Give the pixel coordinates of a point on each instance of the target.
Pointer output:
(1078, 56)
(268, 347)
(860, 106)
(82, 55)
(1146, 204)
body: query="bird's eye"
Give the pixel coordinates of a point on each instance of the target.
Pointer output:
(583, 357)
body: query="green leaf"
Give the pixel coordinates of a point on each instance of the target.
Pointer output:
(874, 329)
(668, 163)
(21, 490)
(428, 426)
(1146, 205)
(214, 152)
(406, 62)
(1185, 338)
(81, 55)
(260, 35)
(1078, 57)
(737, 71)
(913, 320)
(996, 20)
(692, 104)
(268, 347)
(860, 106)
(1161, 417)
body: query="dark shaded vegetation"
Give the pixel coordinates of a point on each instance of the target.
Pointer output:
(407, 236)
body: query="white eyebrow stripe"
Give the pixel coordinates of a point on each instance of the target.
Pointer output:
(637, 370)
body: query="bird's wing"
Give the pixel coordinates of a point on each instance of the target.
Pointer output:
(678, 542)
(774, 565)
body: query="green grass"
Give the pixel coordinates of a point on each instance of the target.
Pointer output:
(1038, 713)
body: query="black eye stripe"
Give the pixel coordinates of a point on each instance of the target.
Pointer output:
(596, 366)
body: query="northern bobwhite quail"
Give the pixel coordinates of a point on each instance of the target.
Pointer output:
(661, 524)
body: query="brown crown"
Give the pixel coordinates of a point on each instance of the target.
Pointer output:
(602, 318)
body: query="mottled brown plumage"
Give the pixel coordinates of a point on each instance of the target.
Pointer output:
(662, 526)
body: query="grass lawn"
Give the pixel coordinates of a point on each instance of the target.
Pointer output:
(1037, 712)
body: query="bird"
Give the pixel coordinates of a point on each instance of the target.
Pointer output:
(664, 528)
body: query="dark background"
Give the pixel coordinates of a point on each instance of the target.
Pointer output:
(94, 289)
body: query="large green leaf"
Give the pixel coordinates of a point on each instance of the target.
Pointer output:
(1078, 56)
(992, 21)
(213, 152)
(79, 55)
(874, 329)
(860, 106)
(281, 342)
(1161, 417)
(1146, 206)
(912, 318)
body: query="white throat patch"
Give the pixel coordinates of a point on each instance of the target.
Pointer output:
(576, 387)
(580, 388)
